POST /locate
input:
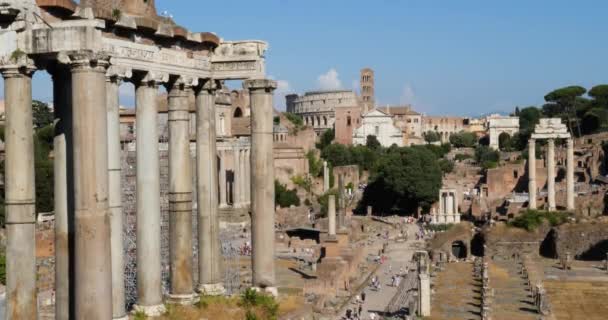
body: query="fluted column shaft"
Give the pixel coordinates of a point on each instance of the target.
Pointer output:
(20, 195)
(115, 197)
(262, 188)
(93, 270)
(222, 178)
(570, 176)
(236, 181)
(209, 259)
(149, 298)
(180, 194)
(551, 174)
(532, 174)
(63, 189)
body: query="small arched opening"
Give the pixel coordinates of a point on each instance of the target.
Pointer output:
(459, 250)
(477, 245)
(238, 113)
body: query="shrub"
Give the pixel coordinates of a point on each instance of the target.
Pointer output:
(532, 219)
(324, 200)
(2, 268)
(284, 197)
(462, 157)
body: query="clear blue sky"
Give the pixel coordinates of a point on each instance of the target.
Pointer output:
(464, 57)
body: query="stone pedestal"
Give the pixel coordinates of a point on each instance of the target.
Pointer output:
(149, 299)
(20, 194)
(180, 193)
(262, 189)
(92, 257)
(424, 295)
(209, 259)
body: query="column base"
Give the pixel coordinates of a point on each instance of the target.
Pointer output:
(274, 291)
(216, 289)
(182, 299)
(223, 206)
(151, 311)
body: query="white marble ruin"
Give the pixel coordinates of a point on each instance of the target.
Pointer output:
(498, 125)
(448, 211)
(550, 129)
(89, 53)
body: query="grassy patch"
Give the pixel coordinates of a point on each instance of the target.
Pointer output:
(532, 219)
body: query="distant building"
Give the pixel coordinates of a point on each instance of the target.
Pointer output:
(318, 108)
(497, 125)
(379, 124)
(409, 121)
(444, 126)
(368, 88)
(347, 120)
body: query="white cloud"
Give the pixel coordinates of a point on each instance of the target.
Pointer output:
(330, 80)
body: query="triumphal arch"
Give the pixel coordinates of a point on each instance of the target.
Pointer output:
(89, 48)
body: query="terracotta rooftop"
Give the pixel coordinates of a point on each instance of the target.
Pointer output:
(400, 110)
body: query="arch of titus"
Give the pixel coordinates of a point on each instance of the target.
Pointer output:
(89, 49)
(551, 129)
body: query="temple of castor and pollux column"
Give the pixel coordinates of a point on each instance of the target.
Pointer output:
(89, 49)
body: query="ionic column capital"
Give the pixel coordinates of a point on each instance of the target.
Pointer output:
(181, 84)
(86, 61)
(17, 65)
(207, 86)
(150, 79)
(117, 74)
(257, 85)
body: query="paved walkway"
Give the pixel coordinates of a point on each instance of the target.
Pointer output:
(457, 295)
(399, 255)
(512, 300)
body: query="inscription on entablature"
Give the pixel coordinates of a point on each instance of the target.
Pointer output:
(235, 66)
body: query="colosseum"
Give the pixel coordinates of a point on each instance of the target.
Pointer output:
(318, 108)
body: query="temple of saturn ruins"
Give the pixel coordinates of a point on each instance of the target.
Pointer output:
(551, 129)
(89, 48)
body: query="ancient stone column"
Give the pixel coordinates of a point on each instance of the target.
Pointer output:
(113, 81)
(532, 173)
(222, 178)
(236, 181)
(92, 267)
(331, 215)
(570, 176)
(209, 258)
(424, 295)
(551, 174)
(262, 200)
(20, 193)
(62, 149)
(341, 202)
(325, 177)
(149, 299)
(243, 178)
(248, 176)
(180, 193)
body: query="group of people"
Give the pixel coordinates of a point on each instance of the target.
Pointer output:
(357, 312)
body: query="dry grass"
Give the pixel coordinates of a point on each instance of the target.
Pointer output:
(578, 300)
(222, 308)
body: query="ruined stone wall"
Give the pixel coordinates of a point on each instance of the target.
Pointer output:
(585, 241)
(45, 256)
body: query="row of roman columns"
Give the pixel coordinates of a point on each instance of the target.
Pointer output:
(532, 188)
(88, 204)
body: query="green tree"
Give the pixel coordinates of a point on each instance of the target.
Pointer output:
(431, 136)
(463, 139)
(404, 179)
(599, 94)
(42, 114)
(372, 142)
(294, 118)
(284, 197)
(364, 157)
(563, 103)
(504, 142)
(315, 166)
(528, 118)
(446, 165)
(326, 139)
(337, 154)
(487, 157)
